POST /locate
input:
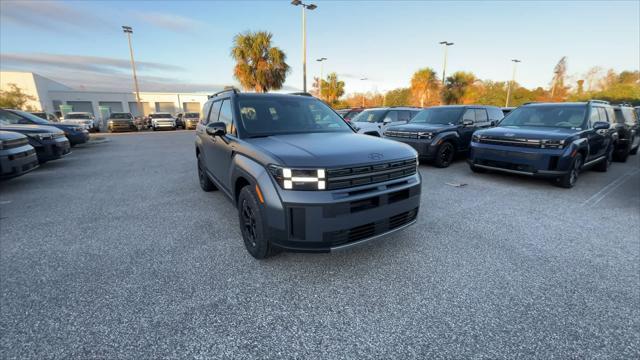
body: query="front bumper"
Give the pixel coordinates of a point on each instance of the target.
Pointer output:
(190, 125)
(17, 161)
(121, 126)
(53, 149)
(78, 137)
(164, 125)
(518, 160)
(322, 221)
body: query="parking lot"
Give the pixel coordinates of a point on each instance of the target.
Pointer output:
(114, 251)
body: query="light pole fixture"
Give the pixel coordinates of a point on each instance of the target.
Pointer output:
(444, 67)
(363, 92)
(321, 61)
(513, 79)
(304, 39)
(129, 30)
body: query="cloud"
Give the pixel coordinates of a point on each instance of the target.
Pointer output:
(104, 65)
(49, 15)
(170, 22)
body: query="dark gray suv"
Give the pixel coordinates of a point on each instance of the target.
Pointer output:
(301, 178)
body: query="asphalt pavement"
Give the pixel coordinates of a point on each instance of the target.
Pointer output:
(115, 252)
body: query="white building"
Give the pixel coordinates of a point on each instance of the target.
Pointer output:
(49, 95)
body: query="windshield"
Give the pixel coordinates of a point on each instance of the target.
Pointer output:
(265, 116)
(77, 116)
(443, 116)
(192, 115)
(120, 116)
(160, 116)
(561, 116)
(21, 117)
(372, 116)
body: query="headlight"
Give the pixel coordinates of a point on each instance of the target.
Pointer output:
(425, 135)
(43, 136)
(552, 144)
(299, 179)
(476, 138)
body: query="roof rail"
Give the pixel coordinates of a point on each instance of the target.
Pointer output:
(599, 102)
(301, 93)
(235, 91)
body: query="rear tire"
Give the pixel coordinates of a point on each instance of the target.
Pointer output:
(444, 155)
(252, 226)
(569, 180)
(205, 183)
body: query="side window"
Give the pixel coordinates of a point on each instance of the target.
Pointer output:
(611, 115)
(495, 114)
(603, 115)
(392, 115)
(469, 114)
(481, 115)
(594, 117)
(226, 115)
(215, 111)
(405, 115)
(206, 108)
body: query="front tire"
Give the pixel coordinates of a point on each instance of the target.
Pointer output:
(205, 183)
(569, 180)
(444, 155)
(252, 225)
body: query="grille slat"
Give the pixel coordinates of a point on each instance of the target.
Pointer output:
(495, 140)
(363, 175)
(371, 229)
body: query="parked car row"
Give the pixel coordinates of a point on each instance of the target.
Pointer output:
(27, 141)
(548, 140)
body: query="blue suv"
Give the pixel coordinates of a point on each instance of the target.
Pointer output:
(550, 140)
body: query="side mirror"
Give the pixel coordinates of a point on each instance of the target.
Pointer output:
(386, 121)
(217, 129)
(600, 125)
(467, 122)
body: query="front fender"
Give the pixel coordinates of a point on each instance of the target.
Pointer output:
(447, 136)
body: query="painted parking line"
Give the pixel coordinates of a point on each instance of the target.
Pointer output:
(597, 197)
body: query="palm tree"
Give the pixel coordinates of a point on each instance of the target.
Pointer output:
(457, 86)
(332, 88)
(424, 84)
(259, 66)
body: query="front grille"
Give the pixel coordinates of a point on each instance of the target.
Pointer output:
(496, 140)
(507, 165)
(369, 174)
(401, 134)
(369, 230)
(10, 144)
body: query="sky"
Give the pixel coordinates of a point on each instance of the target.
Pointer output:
(185, 46)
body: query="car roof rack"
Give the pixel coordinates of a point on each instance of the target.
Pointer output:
(301, 93)
(235, 91)
(598, 102)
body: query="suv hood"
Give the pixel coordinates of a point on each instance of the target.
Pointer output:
(415, 127)
(330, 150)
(31, 129)
(529, 132)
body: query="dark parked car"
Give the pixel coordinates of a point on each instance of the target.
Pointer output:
(299, 175)
(439, 133)
(46, 115)
(17, 157)
(121, 122)
(552, 140)
(376, 120)
(49, 142)
(348, 114)
(626, 123)
(188, 120)
(76, 134)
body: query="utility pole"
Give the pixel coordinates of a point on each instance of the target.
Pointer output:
(513, 79)
(363, 93)
(129, 30)
(321, 61)
(444, 67)
(304, 39)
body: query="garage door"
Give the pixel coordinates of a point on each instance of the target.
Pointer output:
(165, 107)
(191, 107)
(81, 106)
(133, 107)
(114, 106)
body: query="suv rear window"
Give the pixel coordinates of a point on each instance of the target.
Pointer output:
(120, 116)
(372, 116)
(265, 116)
(562, 116)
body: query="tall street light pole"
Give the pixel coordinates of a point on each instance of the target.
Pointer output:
(363, 93)
(321, 61)
(304, 39)
(129, 30)
(513, 79)
(444, 67)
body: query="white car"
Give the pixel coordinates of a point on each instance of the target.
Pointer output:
(374, 121)
(162, 120)
(84, 119)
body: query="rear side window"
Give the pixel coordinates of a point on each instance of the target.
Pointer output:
(495, 114)
(625, 116)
